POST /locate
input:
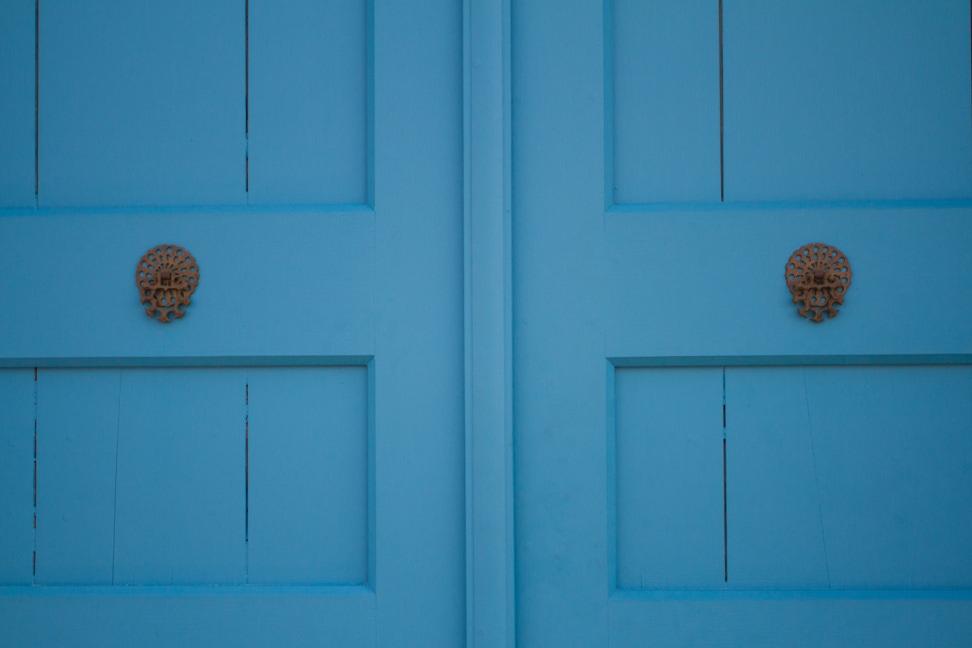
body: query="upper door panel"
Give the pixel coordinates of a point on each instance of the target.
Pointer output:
(142, 104)
(864, 100)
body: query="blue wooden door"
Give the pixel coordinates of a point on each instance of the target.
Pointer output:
(697, 464)
(282, 465)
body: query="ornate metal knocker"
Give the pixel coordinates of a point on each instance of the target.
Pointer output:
(818, 276)
(166, 277)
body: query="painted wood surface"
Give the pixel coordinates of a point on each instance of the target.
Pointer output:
(668, 478)
(187, 616)
(660, 284)
(895, 480)
(774, 519)
(662, 90)
(847, 101)
(488, 316)
(179, 503)
(308, 477)
(17, 104)
(142, 104)
(849, 477)
(389, 177)
(78, 441)
(308, 103)
(419, 453)
(348, 259)
(17, 476)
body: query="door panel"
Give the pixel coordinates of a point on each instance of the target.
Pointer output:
(16, 476)
(308, 476)
(663, 119)
(775, 536)
(668, 477)
(308, 132)
(78, 438)
(333, 301)
(179, 503)
(141, 105)
(847, 101)
(250, 475)
(886, 484)
(17, 104)
(637, 285)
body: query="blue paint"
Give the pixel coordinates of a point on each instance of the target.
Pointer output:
(142, 105)
(17, 104)
(488, 344)
(483, 276)
(863, 100)
(77, 445)
(846, 124)
(664, 107)
(17, 476)
(668, 467)
(308, 476)
(308, 103)
(179, 485)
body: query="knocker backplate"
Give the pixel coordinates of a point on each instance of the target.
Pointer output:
(818, 276)
(166, 276)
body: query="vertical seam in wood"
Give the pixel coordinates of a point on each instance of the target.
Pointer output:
(610, 186)
(722, 138)
(816, 484)
(114, 507)
(34, 567)
(36, 101)
(246, 461)
(725, 498)
(246, 95)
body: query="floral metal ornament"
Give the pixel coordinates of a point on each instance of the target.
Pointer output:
(166, 277)
(818, 276)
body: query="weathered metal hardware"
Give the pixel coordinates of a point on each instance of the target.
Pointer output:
(818, 276)
(166, 276)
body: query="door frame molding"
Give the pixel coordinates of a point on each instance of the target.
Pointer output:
(488, 349)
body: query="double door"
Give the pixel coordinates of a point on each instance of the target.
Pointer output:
(492, 342)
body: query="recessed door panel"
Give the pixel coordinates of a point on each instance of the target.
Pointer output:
(142, 104)
(309, 102)
(308, 476)
(847, 101)
(668, 473)
(17, 476)
(17, 104)
(77, 446)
